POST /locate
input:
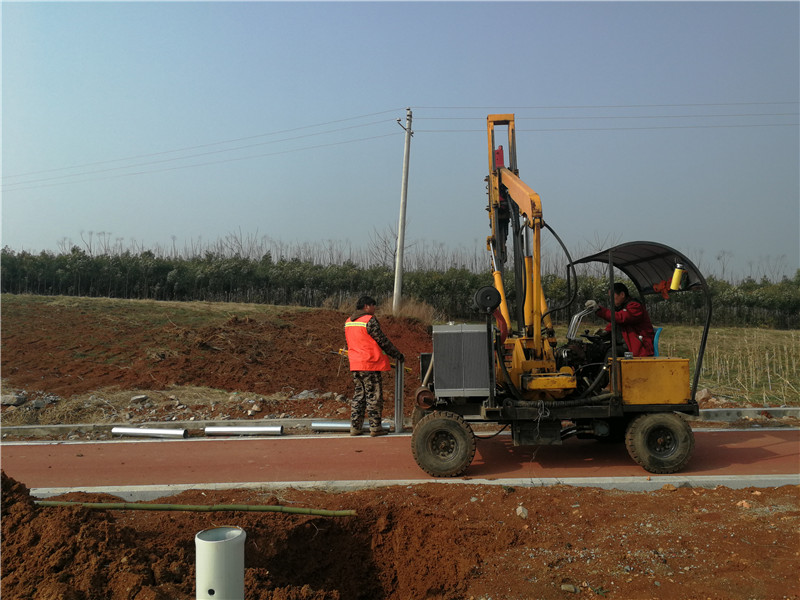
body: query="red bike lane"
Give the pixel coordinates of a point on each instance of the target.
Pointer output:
(385, 459)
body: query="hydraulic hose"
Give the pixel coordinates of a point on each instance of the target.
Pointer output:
(602, 398)
(597, 380)
(594, 384)
(428, 373)
(200, 507)
(514, 391)
(570, 266)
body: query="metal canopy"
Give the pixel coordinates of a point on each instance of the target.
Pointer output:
(648, 264)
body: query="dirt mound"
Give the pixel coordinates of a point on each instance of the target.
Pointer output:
(68, 350)
(428, 541)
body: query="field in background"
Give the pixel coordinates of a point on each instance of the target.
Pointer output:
(748, 365)
(744, 365)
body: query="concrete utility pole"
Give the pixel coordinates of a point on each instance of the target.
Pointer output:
(401, 229)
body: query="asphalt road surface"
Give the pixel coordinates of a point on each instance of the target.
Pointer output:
(752, 456)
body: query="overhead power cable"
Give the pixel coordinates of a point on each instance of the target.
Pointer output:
(618, 128)
(602, 117)
(18, 182)
(495, 109)
(197, 147)
(193, 165)
(186, 157)
(611, 117)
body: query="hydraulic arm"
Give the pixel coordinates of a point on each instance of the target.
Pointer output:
(515, 209)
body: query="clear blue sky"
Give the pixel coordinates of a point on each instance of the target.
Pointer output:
(673, 122)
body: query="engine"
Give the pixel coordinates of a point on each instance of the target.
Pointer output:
(587, 358)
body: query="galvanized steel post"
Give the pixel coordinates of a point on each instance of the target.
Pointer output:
(398, 396)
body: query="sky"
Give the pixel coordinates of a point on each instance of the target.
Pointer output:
(170, 124)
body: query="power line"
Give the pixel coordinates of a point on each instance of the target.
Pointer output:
(573, 118)
(147, 172)
(188, 148)
(617, 128)
(566, 106)
(43, 182)
(185, 157)
(394, 110)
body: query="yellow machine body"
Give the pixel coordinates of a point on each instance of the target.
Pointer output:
(654, 380)
(528, 357)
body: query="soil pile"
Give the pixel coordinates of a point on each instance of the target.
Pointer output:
(66, 351)
(428, 541)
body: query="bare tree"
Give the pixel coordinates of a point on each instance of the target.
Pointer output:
(722, 258)
(64, 245)
(87, 242)
(383, 245)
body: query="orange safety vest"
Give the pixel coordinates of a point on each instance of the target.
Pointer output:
(362, 350)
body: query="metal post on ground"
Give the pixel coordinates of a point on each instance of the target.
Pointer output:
(398, 396)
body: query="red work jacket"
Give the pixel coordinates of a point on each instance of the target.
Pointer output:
(634, 322)
(362, 349)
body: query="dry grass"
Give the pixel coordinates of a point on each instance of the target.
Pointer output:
(409, 308)
(114, 311)
(743, 365)
(413, 309)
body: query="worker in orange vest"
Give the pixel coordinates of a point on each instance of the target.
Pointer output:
(368, 350)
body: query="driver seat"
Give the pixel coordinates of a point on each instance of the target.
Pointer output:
(657, 331)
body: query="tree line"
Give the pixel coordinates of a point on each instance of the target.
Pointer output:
(219, 277)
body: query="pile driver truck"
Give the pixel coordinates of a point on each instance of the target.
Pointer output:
(511, 371)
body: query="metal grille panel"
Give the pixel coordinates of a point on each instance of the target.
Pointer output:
(461, 363)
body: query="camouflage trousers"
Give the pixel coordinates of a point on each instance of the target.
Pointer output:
(368, 397)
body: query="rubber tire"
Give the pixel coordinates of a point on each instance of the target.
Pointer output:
(417, 415)
(443, 444)
(660, 442)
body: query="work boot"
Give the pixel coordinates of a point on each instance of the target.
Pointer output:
(377, 432)
(355, 431)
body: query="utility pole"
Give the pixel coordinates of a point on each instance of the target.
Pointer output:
(401, 229)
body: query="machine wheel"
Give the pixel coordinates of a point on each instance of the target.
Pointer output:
(443, 444)
(660, 442)
(417, 415)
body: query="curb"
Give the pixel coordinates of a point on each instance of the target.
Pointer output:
(143, 493)
(734, 414)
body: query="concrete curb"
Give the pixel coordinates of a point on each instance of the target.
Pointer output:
(734, 414)
(143, 493)
(714, 415)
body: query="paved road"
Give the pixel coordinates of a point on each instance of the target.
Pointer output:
(756, 456)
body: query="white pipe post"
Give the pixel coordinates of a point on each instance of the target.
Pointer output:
(401, 229)
(219, 564)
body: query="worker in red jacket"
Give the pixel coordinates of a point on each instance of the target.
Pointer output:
(631, 318)
(368, 350)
